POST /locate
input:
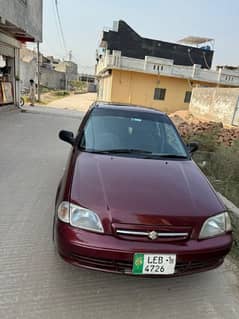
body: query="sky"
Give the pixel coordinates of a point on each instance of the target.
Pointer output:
(168, 20)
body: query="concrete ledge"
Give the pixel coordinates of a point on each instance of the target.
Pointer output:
(53, 111)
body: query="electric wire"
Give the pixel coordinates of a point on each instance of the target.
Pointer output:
(60, 25)
(57, 26)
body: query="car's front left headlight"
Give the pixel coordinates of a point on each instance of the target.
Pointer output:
(79, 217)
(84, 218)
(215, 226)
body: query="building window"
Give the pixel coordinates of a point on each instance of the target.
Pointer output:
(187, 97)
(159, 94)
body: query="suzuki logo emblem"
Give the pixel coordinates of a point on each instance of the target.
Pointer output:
(153, 235)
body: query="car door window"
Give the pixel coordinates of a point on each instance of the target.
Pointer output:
(172, 140)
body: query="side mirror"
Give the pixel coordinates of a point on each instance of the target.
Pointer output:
(67, 136)
(193, 147)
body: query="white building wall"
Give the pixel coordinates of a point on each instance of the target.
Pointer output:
(153, 65)
(25, 14)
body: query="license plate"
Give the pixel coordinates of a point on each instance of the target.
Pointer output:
(154, 264)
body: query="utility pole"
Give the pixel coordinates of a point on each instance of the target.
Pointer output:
(38, 72)
(70, 55)
(66, 82)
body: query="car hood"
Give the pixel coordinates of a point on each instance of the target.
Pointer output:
(130, 190)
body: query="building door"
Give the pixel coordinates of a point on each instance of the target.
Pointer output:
(235, 120)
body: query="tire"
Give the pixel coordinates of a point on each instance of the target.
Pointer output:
(22, 102)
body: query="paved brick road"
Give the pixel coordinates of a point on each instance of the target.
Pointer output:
(35, 283)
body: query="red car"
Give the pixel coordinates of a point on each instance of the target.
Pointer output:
(133, 201)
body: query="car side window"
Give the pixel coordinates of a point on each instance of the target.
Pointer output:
(159, 129)
(88, 135)
(172, 138)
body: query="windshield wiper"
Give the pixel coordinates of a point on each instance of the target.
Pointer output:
(122, 151)
(132, 151)
(172, 155)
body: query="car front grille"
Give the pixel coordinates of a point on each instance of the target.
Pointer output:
(154, 233)
(104, 264)
(184, 267)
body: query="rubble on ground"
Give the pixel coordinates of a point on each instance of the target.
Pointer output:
(190, 127)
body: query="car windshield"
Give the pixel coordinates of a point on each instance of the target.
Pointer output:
(131, 132)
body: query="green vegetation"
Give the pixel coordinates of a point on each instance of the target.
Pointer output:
(44, 89)
(235, 247)
(207, 140)
(78, 86)
(222, 168)
(221, 165)
(61, 93)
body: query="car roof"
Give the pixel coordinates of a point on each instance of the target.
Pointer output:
(126, 107)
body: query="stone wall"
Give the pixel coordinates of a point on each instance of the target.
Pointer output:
(70, 68)
(215, 104)
(53, 79)
(28, 70)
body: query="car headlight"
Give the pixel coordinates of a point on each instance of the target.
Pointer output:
(79, 217)
(215, 226)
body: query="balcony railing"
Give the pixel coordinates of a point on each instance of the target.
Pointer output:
(152, 65)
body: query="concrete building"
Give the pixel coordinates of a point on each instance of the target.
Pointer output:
(90, 82)
(53, 79)
(216, 104)
(57, 74)
(87, 78)
(70, 69)
(136, 70)
(20, 22)
(54, 73)
(28, 67)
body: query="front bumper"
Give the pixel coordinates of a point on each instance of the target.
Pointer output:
(112, 254)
